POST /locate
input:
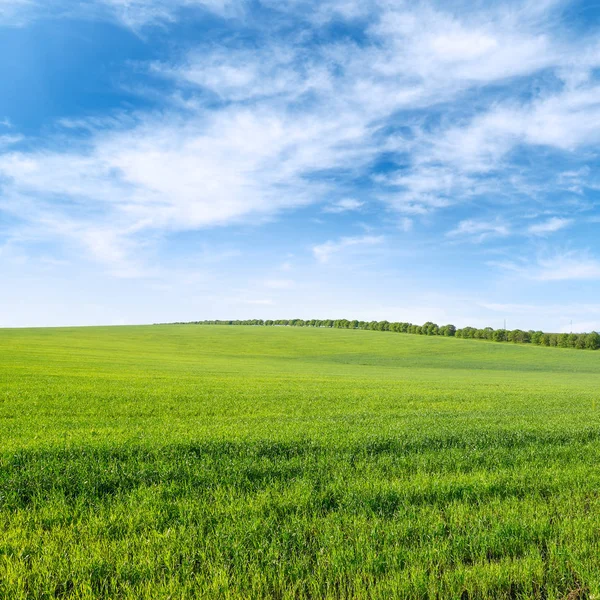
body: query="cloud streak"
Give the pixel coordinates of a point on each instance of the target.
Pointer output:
(344, 205)
(565, 266)
(325, 252)
(477, 231)
(550, 226)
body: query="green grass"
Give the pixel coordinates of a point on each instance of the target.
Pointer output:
(246, 462)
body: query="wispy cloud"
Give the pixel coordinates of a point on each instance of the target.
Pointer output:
(134, 14)
(570, 265)
(324, 252)
(567, 266)
(344, 205)
(10, 140)
(477, 231)
(168, 174)
(550, 226)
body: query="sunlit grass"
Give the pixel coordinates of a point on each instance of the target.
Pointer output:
(216, 462)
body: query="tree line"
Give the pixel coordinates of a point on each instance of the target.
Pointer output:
(581, 341)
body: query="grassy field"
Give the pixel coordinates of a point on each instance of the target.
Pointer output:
(238, 462)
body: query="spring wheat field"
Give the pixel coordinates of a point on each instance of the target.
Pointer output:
(290, 463)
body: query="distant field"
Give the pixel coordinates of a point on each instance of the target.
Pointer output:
(248, 462)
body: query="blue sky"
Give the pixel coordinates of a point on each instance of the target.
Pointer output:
(170, 160)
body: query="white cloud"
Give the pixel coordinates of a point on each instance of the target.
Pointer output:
(245, 73)
(565, 120)
(408, 66)
(428, 187)
(484, 46)
(134, 14)
(550, 226)
(324, 252)
(174, 175)
(139, 13)
(477, 231)
(10, 140)
(570, 265)
(345, 205)
(567, 266)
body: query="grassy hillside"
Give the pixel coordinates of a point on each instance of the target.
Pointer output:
(246, 462)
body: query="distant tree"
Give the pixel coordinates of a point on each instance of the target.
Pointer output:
(592, 341)
(430, 328)
(468, 332)
(500, 335)
(589, 341)
(536, 337)
(518, 336)
(450, 330)
(563, 340)
(447, 331)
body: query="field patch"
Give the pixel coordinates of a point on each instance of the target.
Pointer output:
(247, 462)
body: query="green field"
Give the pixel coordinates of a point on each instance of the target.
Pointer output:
(251, 462)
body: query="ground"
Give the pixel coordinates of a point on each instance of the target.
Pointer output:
(252, 462)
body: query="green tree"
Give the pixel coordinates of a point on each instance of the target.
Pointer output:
(448, 330)
(536, 337)
(592, 341)
(500, 335)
